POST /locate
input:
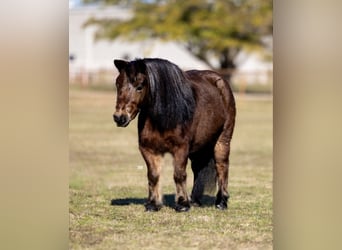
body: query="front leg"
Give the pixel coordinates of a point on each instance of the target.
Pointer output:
(182, 198)
(153, 162)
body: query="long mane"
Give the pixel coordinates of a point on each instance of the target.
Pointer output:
(171, 99)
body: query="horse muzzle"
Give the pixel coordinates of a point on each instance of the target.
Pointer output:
(121, 120)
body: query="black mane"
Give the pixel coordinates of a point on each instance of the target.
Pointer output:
(171, 100)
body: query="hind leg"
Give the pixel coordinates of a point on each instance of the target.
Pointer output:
(198, 189)
(222, 150)
(202, 165)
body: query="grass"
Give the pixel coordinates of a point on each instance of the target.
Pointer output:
(108, 184)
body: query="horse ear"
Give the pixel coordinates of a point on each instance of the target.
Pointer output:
(120, 64)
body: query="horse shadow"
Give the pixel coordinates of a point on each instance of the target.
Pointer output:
(168, 201)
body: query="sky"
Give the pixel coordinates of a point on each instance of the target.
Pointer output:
(73, 3)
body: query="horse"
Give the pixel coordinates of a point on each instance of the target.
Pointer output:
(189, 114)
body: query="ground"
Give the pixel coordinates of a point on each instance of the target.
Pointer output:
(108, 184)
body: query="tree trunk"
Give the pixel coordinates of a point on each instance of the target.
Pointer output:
(227, 63)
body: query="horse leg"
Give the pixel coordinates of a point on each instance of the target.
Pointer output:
(222, 149)
(203, 167)
(180, 159)
(198, 189)
(153, 162)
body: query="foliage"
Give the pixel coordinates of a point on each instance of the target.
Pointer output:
(207, 28)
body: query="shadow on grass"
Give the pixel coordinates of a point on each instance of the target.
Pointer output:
(168, 201)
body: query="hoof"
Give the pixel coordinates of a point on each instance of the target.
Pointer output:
(149, 207)
(221, 206)
(221, 202)
(182, 205)
(196, 203)
(180, 208)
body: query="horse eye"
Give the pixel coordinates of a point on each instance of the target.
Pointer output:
(139, 88)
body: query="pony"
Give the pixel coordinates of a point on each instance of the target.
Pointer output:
(189, 114)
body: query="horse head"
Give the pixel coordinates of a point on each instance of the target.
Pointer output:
(132, 88)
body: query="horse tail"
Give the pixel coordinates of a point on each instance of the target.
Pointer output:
(225, 91)
(205, 177)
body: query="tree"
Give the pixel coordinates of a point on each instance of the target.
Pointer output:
(208, 28)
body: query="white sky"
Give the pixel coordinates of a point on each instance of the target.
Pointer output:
(73, 3)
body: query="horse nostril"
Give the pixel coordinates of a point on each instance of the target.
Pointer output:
(116, 118)
(120, 120)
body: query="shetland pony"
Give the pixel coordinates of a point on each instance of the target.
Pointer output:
(190, 115)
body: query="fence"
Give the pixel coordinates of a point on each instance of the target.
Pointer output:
(242, 82)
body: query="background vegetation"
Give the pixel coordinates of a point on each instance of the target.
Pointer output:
(209, 29)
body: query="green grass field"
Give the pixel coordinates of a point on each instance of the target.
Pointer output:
(108, 184)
